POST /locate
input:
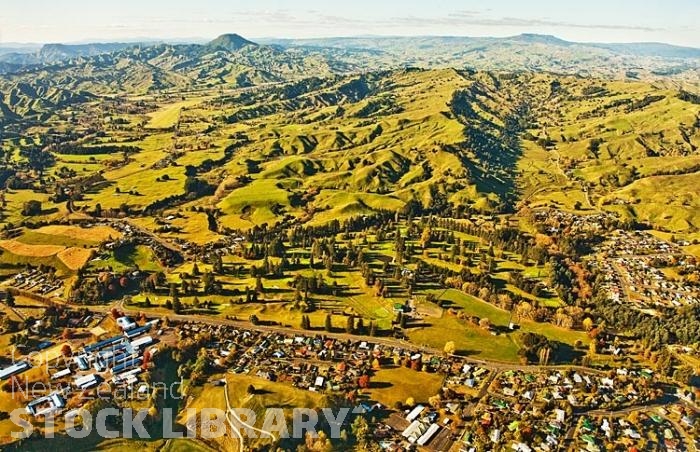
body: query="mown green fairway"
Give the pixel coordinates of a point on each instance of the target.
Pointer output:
(472, 340)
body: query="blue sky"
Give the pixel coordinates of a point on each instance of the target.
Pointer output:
(672, 21)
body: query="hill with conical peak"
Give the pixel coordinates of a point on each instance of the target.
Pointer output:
(229, 61)
(230, 42)
(525, 51)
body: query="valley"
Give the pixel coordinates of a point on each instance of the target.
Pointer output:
(510, 241)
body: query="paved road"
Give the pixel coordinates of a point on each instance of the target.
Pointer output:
(622, 279)
(287, 330)
(388, 342)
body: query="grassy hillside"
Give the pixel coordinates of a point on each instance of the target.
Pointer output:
(321, 149)
(627, 147)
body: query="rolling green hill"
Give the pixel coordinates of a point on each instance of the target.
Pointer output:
(323, 148)
(303, 130)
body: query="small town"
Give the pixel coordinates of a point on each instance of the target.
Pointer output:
(642, 269)
(475, 404)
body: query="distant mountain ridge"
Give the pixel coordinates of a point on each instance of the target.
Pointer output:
(636, 48)
(57, 75)
(652, 49)
(56, 52)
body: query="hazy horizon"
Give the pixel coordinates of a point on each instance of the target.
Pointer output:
(596, 21)
(204, 39)
(263, 39)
